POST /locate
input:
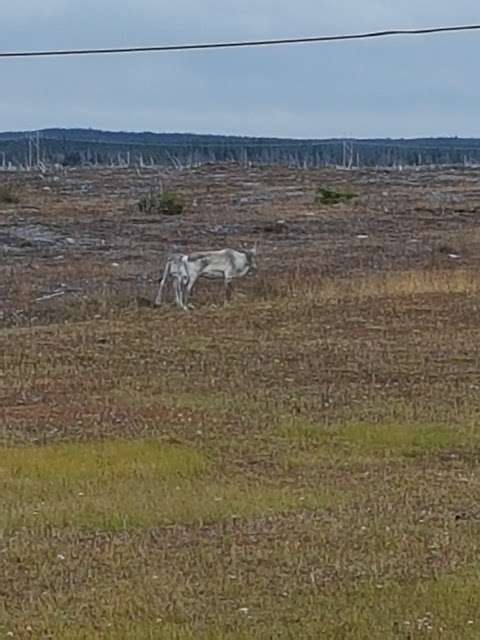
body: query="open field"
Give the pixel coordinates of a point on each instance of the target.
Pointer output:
(303, 463)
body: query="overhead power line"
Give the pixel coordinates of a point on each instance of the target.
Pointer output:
(246, 43)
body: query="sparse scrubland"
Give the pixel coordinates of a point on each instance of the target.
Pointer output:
(302, 463)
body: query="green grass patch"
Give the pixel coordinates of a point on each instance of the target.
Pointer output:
(101, 461)
(119, 485)
(216, 403)
(196, 344)
(379, 439)
(442, 607)
(154, 630)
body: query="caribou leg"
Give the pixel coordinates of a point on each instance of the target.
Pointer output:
(179, 294)
(187, 292)
(227, 291)
(158, 299)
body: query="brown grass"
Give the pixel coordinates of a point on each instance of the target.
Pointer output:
(299, 464)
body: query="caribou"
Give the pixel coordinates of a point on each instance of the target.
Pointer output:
(225, 264)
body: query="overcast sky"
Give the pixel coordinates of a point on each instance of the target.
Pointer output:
(395, 87)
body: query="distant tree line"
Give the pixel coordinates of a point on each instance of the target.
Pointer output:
(89, 147)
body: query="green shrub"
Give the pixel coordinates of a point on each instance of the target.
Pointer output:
(327, 196)
(8, 194)
(167, 203)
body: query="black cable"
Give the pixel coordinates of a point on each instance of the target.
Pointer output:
(229, 45)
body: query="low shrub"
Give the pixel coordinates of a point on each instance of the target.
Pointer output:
(167, 203)
(8, 194)
(328, 196)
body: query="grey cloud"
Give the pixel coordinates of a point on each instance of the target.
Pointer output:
(396, 87)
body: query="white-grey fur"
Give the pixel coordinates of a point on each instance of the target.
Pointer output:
(225, 264)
